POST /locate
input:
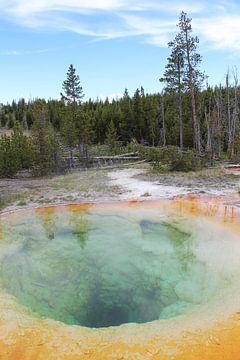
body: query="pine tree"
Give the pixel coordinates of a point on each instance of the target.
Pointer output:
(173, 77)
(73, 95)
(111, 136)
(84, 134)
(73, 92)
(138, 114)
(9, 159)
(185, 46)
(45, 142)
(22, 147)
(126, 126)
(68, 131)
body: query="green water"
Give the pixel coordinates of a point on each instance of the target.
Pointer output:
(100, 268)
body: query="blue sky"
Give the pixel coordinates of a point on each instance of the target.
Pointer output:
(113, 44)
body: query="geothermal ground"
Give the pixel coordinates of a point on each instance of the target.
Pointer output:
(114, 184)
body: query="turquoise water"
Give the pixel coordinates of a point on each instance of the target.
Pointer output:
(101, 267)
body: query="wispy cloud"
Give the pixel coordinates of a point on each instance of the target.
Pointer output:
(9, 53)
(26, 52)
(222, 32)
(24, 7)
(217, 22)
(155, 31)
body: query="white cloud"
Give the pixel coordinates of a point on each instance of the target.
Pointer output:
(175, 6)
(217, 23)
(26, 52)
(222, 32)
(157, 32)
(24, 7)
(9, 53)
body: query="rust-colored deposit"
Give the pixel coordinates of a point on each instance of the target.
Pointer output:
(210, 333)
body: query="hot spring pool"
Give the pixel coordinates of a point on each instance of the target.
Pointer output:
(101, 266)
(152, 280)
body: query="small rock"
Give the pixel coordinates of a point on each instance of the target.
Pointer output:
(146, 194)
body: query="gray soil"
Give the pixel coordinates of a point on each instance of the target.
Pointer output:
(202, 181)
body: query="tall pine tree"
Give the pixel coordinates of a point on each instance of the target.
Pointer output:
(72, 118)
(183, 71)
(73, 92)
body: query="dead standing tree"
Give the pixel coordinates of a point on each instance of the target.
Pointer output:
(232, 111)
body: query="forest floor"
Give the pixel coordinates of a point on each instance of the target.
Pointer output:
(137, 182)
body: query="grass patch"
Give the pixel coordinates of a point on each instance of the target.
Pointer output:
(80, 181)
(20, 199)
(3, 203)
(22, 203)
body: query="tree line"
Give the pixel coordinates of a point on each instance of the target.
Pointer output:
(187, 114)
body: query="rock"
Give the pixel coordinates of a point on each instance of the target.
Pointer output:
(146, 194)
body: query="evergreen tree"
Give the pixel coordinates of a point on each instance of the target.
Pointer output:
(3, 119)
(45, 142)
(84, 134)
(9, 160)
(11, 120)
(174, 79)
(126, 126)
(111, 136)
(138, 114)
(22, 147)
(68, 132)
(184, 47)
(73, 92)
(151, 132)
(15, 152)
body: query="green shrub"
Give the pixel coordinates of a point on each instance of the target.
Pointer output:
(168, 157)
(9, 159)
(3, 203)
(236, 149)
(15, 152)
(158, 156)
(186, 161)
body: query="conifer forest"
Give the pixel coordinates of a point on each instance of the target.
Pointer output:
(188, 119)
